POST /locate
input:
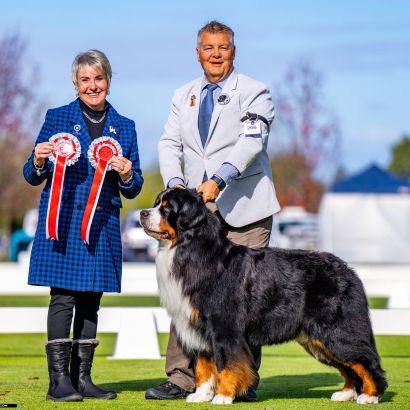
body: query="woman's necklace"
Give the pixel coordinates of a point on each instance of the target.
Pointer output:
(93, 120)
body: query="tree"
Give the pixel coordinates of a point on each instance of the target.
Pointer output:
(306, 137)
(19, 111)
(153, 184)
(400, 162)
(294, 183)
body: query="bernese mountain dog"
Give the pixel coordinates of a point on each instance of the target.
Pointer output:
(225, 298)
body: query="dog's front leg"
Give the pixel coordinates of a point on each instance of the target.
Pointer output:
(234, 380)
(205, 378)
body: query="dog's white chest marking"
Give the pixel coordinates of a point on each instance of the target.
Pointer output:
(176, 303)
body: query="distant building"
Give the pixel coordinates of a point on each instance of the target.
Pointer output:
(365, 218)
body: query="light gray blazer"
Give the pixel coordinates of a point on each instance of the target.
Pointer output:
(247, 198)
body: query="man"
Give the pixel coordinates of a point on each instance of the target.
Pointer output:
(215, 140)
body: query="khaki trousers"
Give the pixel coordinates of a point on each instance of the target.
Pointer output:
(178, 366)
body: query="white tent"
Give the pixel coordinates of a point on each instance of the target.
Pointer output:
(366, 218)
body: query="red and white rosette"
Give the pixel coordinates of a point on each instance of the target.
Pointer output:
(100, 152)
(66, 153)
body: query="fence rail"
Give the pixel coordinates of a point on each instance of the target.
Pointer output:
(137, 327)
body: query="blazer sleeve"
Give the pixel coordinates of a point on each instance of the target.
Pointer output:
(29, 171)
(244, 152)
(132, 189)
(170, 153)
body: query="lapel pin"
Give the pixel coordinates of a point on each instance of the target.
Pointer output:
(223, 99)
(193, 98)
(112, 130)
(77, 128)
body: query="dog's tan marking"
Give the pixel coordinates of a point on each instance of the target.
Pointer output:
(317, 349)
(235, 379)
(369, 387)
(195, 316)
(349, 381)
(204, 370)
(164, 227)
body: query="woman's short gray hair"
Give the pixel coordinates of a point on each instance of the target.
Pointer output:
(94, 58)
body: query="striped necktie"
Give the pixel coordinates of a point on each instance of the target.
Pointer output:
(205, 112)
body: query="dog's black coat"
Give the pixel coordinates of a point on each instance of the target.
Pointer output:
(249, 297)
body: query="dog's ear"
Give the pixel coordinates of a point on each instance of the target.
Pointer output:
(192, 212)
(158, 198)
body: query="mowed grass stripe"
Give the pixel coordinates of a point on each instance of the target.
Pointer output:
(106, 301)
(290, 379)
(109, 300)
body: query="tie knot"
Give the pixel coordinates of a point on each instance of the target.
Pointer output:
(212, 87)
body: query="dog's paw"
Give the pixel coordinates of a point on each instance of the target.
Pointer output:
(199, 397)
(366, 399)
(344, 395)
(221, 399)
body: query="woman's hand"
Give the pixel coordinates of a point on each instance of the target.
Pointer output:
(123, 166)
(41, 152)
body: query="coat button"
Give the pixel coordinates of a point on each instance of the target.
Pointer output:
(99, 208)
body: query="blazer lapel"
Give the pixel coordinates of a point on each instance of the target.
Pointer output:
(195, 96)
(111, 128)
(228, 89)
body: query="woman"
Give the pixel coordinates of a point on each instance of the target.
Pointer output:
(77, 267)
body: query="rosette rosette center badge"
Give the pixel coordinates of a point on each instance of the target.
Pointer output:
(66, 152)
(100, 152)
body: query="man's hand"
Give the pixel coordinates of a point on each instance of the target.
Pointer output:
(209, 190)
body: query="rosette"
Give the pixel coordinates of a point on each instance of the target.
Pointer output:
(66, 153)
(100, 151)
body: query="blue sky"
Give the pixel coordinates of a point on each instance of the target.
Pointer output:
(361, 47)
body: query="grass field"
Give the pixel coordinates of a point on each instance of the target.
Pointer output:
(290, 378)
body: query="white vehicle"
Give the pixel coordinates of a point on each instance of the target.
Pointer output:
(294, 228)
(136, 244)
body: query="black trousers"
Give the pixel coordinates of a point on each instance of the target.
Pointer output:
(61, 311)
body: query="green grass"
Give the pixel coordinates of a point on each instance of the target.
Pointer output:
(290, 379)
(378, 303)
(106, 301)
(120, 300)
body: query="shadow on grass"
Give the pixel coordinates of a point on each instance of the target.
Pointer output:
(132, 385)
(305, 386)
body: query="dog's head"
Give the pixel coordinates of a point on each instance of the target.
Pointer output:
(175, 212)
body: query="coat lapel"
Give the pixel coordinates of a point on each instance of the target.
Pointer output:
(228, 89)
(194, 111)
(111, 128)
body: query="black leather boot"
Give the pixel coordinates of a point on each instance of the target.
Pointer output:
(58, 357)
(81, 362)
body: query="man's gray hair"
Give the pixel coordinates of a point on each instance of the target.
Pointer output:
(93, 58)
(214, 27)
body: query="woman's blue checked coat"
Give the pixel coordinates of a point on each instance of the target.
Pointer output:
(69, 263)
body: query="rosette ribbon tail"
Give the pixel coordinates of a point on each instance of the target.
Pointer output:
(66, 153)
(54, 201)
(95, 191)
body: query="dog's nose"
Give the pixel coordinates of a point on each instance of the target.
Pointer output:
(144, 213)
